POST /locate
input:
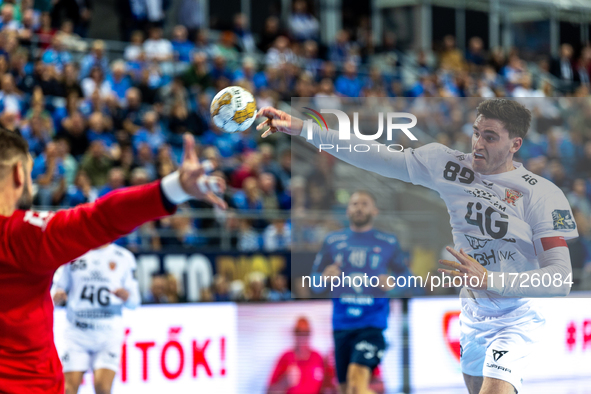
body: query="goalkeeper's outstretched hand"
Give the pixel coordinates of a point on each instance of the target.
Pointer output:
(279, 121)
(193, 179)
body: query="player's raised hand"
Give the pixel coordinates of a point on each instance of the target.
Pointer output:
(473, 274)
(332, 270)
(279, 121)
(193, 179)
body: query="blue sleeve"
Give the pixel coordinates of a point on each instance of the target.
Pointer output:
(323, 259)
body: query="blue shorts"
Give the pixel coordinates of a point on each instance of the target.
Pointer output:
(363, 346)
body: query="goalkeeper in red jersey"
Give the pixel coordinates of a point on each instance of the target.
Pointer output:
(34, 244)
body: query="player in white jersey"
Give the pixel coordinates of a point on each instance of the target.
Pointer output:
(96, 286)
(508, 224)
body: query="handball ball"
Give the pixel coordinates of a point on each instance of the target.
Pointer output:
(233, 109)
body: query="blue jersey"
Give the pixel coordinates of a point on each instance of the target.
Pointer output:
(370, 253)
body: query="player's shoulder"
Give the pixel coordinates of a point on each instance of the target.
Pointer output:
(539, 187)
(336, 236)
(386, 237)
(121, 252)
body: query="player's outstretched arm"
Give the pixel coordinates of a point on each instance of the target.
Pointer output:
(41, 242)
(382, 161)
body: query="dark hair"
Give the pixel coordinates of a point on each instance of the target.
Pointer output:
(13, 147)
(365, 193)
(515, 116)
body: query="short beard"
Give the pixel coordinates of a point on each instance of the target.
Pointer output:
(362, 221)
(25, 202)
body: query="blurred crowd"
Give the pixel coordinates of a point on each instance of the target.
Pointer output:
(256, 287)
(97, 120)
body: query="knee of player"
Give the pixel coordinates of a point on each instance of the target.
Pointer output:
(355, 378)
(102, 388)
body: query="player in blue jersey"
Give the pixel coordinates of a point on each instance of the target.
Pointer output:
(359, 314)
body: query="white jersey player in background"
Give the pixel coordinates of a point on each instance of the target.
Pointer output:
(505, 220)
(96, 286)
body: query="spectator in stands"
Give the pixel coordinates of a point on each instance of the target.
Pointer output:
(97, 131)
(349, 84)
(26, 31)
(249, 198)
(221, 289)
(156, 47)
(10, 98)
(96, 81)
(69, 164)
(338, 51)
(277, 236)
(135, 47)
(56, 54)
(244, 37)
(179, 232)
(451, 58)
(145, 163)
(70, 40)
(164, 162)
(116, 180)
(45, 32)
(37, 135)
(81, 191)
(475, 56)
(278, 288)
(302, 24)
(150, 133)
(202, 43)
(130, 118)
(197, 77)
(562, 67)
(181, 46)
(248, 239)
(271, 31)
(280, 53)
(96, 58)
(48, 174)
(255, 290)
(158, 289)
(226, 48)
(7, 22)
(74, 131)
(247, 72)
(118, 81)
(172, 290)
(97, 163)
(524, 88)
(251, 167)
(70, 81)
(268, 191)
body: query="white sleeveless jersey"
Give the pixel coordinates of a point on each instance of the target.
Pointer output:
(89, 282)
(494, 218)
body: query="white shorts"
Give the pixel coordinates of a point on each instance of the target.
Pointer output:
(498, 346)
(88, 349)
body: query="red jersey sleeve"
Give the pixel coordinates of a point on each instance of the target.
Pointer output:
(39, 242)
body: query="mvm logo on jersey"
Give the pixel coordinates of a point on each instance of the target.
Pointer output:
(112, 265)
(511, 196)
